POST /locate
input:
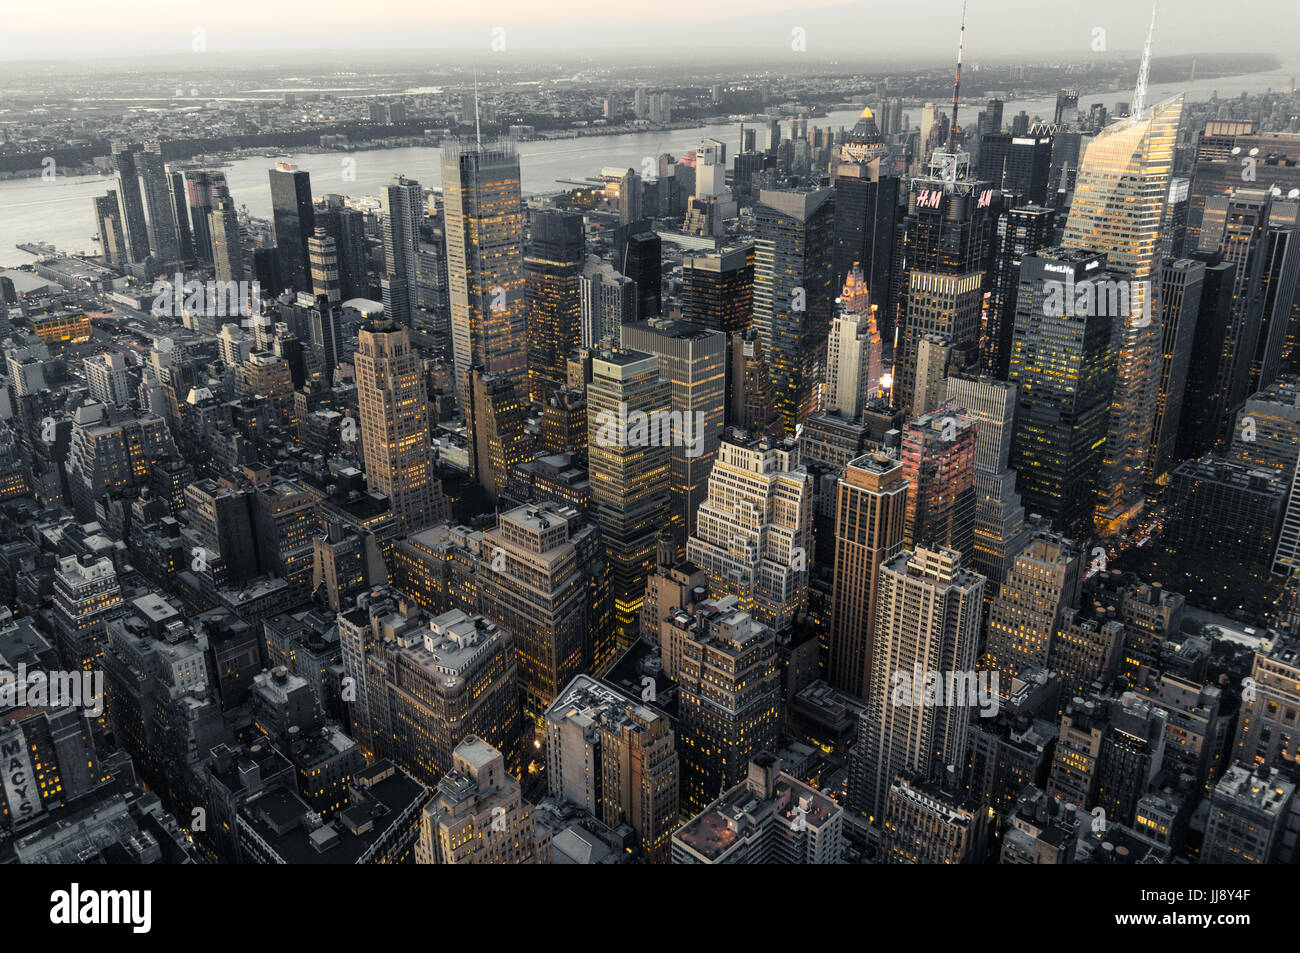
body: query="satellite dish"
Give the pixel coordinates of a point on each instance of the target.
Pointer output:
(1254, 152)
(1236, 150)
(1293, 194)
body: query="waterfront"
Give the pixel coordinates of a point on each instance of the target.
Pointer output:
(59, 211)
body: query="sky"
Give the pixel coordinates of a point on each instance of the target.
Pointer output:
(764, 30)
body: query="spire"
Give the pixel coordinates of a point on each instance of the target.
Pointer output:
(1140, 94)
(478, 132)
(956, 83)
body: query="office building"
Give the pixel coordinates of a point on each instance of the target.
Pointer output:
(1046, 578)
(395, 425)
(402, 206)
(753, 535)
(927, 621)
(294, 223)
(478, 814)
(484, 225)
(693, 360)
(553, 262)
(729, 697)
(938, 457)
(870, 513)
(1119, 203)
(770, 817)
(616, 758)
(628, 407)
(1064, 368)
(718, 288)
(794, 294)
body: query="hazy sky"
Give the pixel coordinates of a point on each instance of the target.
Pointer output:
(865, 28)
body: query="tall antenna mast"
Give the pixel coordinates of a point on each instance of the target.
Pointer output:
(478, 131)
(1140, 94)
(956, 83)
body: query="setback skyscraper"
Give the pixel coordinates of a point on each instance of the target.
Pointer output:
(484, 214)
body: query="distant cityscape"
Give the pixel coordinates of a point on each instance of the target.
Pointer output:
(798, 465)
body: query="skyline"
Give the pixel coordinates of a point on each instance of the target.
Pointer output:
(534, 450)
(831, 29)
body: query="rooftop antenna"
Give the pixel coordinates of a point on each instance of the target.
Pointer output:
(1140, 94)
(956, 83)
(478, 131)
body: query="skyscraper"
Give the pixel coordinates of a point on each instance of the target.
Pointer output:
(395, 425)
(1119, 203)
(753, 535)
(1000, 531)
(108, 223)
(638, 254)
(497, 420)
(694, 362)
(227, 253)
(402, 201)
(553, 263)
(730, 697)
(1181, 283)
(484, 213)
(1063, 366)
(853, 350)
(943, 247)
(540, 560)
(718, 288)
(927, 621)
(938, 456)
(1017, 164)
(130, 201)
(1020, 231)
(164, 239)
(870, 511)
(1045, 579)
(294, 223)
(794, 294)
(616, 758)
(628, 403)
(866, 207)
(323, 257)
(478, 815)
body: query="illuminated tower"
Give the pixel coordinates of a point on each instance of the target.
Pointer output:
(484, 213)
(866, 200)
(853, 350)
(628, 403)
(870, 509)
(693, 360)
(552, 272)
(794, 294)
(927, 621)
(938, 457)
(1064, 368)
(1119, 203)
(944, 238)
(395, 425)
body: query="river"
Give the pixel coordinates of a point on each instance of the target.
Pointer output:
(59, 211)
